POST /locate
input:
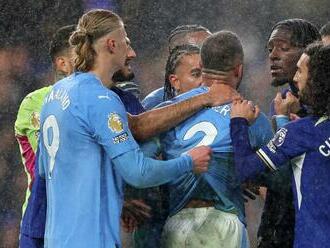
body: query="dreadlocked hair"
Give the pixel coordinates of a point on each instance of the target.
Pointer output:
(303, 32)
(179, 34)
(319, 74)
(325, 30)
(173, 61)
(182, 29)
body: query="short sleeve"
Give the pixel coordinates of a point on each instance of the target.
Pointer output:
(108, 119)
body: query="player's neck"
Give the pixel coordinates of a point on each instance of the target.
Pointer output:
(58, 75)
(209, 79)
(104, 75)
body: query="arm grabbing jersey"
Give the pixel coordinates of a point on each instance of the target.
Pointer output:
(306, 144)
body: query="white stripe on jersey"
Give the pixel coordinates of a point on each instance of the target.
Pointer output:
(297, 164)
(266, 160)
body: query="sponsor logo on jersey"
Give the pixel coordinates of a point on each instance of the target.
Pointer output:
(115, 123)
(279, 137)
(271, 146)
(120, 138)
(278, 140)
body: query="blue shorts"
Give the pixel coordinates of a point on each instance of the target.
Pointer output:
(28, 242)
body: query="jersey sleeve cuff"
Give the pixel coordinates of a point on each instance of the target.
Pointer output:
(279, 121)
(266, 160)
(238, 121)
(186, 164)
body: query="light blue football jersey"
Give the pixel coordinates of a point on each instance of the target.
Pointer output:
(153, 99)
(210, 127)
(83, 127)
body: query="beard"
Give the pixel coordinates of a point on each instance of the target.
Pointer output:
(305, 96)
(121, 76)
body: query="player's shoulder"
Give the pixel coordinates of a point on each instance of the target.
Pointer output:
(29, 110)
(36, 96)
(87, 86)
(306, 124)
(191, 93)
(33, 102)
(39, 92)
(153, 99)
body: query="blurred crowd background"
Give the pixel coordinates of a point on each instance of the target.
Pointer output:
(26, 27)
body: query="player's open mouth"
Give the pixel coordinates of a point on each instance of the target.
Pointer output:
(274, 69)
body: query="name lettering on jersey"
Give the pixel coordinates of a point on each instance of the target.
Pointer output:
(223, 110)
(325, 148)
(120, 138)
(278, 140)
(60, 95)
(114, 123)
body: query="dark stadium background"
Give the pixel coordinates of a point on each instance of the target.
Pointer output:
(26, 27)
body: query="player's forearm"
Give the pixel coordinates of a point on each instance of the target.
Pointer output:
(143, 172)
(151, 123)
(247, 162)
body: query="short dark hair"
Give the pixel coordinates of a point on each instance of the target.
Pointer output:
(60, 41)
(173, 61)
(221, 52)
(325, 30)
(303, 32)
(319, 75)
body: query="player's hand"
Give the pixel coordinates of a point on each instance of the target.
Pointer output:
(290, 104)
(138, 209)
(201, 157)
(294, 117)
(128, 223)
(222, 93)
(134, 213)
(245, 109)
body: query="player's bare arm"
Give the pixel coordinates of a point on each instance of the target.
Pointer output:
(148, 124)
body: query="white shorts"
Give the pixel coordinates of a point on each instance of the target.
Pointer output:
(204, 227)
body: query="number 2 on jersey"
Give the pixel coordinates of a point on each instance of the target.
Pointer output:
(207, 128)
(53, 144)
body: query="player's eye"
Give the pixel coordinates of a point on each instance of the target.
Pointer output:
(196, 73)
(285, 49)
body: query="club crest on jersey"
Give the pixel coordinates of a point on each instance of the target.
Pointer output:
(35, 120)
(115, 123)
(279, 137)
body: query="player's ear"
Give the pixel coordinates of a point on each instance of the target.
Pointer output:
(111, 45)
(60, 63)
(63, 64)
(175, 82)
(238, 71)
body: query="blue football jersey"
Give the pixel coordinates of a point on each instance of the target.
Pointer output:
(83, 127)
(210, 127)
(153, 99)
(306, 143)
